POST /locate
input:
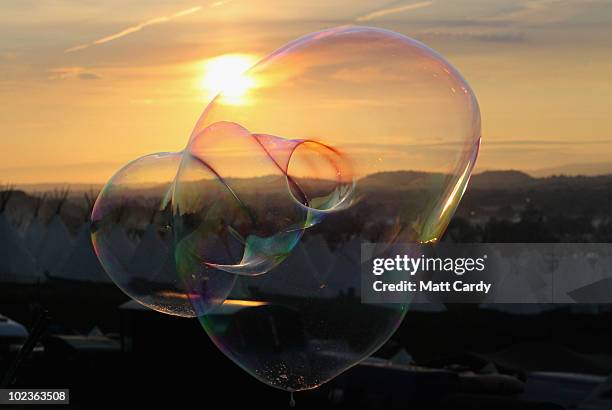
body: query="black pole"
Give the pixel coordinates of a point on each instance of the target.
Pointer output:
(35, 334)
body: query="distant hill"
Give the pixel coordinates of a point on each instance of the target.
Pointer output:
(586, 169)
(398, 179)
(501, 180)
(510, 180)
(414, 180)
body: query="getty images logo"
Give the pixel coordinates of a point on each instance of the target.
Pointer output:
(412, 265)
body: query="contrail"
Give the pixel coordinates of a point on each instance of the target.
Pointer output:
(136, 28)
(393, 10)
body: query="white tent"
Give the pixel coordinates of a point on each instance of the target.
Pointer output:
(122, 247)
(319, 255)
(149, 256)
(36, 229)
(34, 235)
(16, 262)
(10, 329)
(82, 264)
(297, 275)
(344, 273)
(57, 241)
(54, 247)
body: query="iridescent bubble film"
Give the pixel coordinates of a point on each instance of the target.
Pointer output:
(133, 237)
(410, 127)
(347, 136)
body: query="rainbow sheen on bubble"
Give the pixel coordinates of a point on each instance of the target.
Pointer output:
(409, 126)
(214, 227)
(261, 219)
(346, 136)
(132, 233)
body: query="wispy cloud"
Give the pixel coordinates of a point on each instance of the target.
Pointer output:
(527, 9)
(138, 27)
(488, 37)
(393, 10)
(63, 73)
(89, 76)
(541, 11)
(551, 142)
(8, 56)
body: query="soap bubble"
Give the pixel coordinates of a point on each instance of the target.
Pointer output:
(133, 237)
(347, 136)
(407, 125)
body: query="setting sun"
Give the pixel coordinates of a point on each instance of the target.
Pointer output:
(225, 75)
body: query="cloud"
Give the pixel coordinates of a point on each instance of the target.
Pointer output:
(500, 37)
(550, 142)
(63, 73)
(138, 27)
(89, 76)
(491, 37)
(527, 9)
(393, 10)
(8, 56)
(541, 11)
(501, 144)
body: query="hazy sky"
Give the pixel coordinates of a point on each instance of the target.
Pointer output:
(88, 85)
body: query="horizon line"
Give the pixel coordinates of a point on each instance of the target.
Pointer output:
(50, 184)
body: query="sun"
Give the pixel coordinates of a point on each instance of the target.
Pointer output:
(225, 76)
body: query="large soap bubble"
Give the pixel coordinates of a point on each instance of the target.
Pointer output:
(409, 126)
(347, 136)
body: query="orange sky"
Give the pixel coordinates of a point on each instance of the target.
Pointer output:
(87, 87)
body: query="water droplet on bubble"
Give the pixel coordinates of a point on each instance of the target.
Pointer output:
(291, 400)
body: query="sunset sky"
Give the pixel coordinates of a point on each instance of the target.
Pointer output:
(87, 85)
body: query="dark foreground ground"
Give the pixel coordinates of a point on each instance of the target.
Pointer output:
(467, 358)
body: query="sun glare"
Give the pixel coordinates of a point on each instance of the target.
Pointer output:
(225, 75)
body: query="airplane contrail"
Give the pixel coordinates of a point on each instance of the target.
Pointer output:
(136, 28)
(392, 10)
